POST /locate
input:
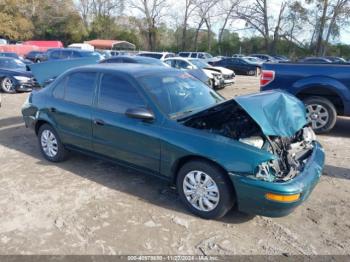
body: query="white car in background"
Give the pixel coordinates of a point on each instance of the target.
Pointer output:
(157, 55)
(219, 76)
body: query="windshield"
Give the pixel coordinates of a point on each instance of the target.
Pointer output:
(178, 93)
(251, 59)
(199, 63)
(207, 55)
(12, 64)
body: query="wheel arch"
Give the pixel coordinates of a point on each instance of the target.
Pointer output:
(325, 92)
(185, 159)
(41, 122)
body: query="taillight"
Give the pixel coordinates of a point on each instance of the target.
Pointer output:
(266, 77)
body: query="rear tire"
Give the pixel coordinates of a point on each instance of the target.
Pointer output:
(321, 113)
(50, 144)
(207, 186)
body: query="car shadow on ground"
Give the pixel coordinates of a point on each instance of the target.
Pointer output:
(4, 122)
(336, 172)
(147, 188)
(341, 128)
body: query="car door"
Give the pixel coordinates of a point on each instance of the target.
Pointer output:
(70, 109)
(131, 141)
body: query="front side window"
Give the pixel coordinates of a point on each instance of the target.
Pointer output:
(117, 95)
(170, 63)
(178, 93)
(80, 88)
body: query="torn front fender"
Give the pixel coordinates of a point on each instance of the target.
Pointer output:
(51, 69)
(276, 112)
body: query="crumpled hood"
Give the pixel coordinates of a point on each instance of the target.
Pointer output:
(51, 69)
(276, 112)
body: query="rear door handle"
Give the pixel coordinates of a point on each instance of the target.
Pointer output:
(99, 122)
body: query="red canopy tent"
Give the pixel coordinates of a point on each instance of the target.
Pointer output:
(44, 45)
(20, 50)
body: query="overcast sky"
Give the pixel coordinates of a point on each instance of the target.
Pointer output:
(238, 26)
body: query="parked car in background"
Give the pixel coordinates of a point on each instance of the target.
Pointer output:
(199, 55)
(315, 60)
(265, 57)
(324, 88)
(238, 55)
(197, 73)
(218, 77)
(14, 55)
(68, 53)
(219, 153)
(336, 59)
(134, 60)
(253, 60)
(14, 76)
(157, 55)
(281, 58)
(82, 46)
(239, 65)
(35, 56)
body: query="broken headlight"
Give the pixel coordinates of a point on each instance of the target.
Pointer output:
(256, 141)
(308, 134)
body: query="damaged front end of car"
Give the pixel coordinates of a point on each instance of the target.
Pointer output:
(272, 125)
(274, 122)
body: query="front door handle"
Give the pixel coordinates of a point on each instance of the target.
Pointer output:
(99, 122)
(52, 109)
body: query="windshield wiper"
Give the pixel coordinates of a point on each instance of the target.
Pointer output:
(182, 113)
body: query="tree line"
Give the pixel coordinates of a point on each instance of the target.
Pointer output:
(288, 27)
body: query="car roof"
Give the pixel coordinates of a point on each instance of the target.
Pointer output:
(149, 52)
(7, 58)
(133, 70)
(135, 58)
(70, 49)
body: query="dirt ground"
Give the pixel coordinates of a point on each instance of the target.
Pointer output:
(88, 206)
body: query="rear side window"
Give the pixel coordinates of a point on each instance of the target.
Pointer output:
(80, 88)
(194, 55)
(58, 91)
(75, 54)
(117, 95)
(55, 54)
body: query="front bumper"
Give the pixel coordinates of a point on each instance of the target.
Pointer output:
(229, 81)
(251, 192)
(26, 86)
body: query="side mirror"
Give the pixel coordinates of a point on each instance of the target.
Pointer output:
(140, 113)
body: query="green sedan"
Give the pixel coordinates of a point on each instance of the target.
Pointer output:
(256, 152)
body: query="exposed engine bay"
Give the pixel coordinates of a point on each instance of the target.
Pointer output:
(231, 121)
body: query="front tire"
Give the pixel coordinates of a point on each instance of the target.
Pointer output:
(321, 113)
(205, 189)
(7, 85)
(50, 144)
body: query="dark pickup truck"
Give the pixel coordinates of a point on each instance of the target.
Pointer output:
(325, 89)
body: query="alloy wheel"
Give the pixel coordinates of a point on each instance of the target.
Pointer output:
(317, 115)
